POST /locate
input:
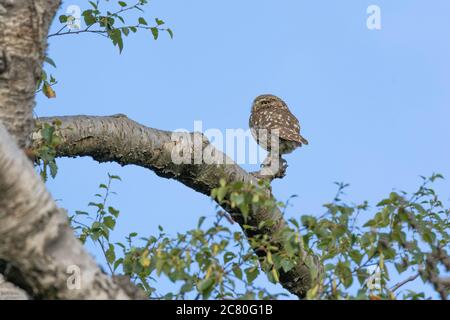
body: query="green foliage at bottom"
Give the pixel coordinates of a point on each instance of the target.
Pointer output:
(366, 252)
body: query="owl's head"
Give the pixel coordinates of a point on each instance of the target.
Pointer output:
(265, 101)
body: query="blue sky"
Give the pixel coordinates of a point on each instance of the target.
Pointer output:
(373, 104)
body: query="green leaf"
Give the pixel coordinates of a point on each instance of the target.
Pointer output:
(53, 169)
(436, 176)
(362, 275)
(110, 254)
(401, 267)
(221, 193)
(200, 222)
(344, 273)
(237, 271)
(47, 133)
(155, 32)
(122, 4)
(113, 211)
(287, 265)
(356, 256)
(117, 263)
(308, 221)
(205, 285)
(251, 274)
(294, 222)
(98, 205)
(187, 286)
(116, 36)
(142, 21)
(50, 62)
(228, 257)
(159, 22)
(428, 236)
(89, 19)
(121, 19)
(109, 222)
(81, 213)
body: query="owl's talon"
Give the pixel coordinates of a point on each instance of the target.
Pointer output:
(284, 164)
(281, 170)
(272, 168)
(266, 163)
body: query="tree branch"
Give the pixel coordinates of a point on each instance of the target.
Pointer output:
(24, 25)
(119, 139)
(8, 291)
(402, 283)
(37, 245)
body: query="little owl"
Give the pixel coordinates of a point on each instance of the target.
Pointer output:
(270, 115)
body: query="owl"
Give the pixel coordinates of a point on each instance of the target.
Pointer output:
(270, 113)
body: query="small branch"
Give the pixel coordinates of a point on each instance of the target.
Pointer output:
(103, 33)
(58, 32)
(409, 279)
(135, 6)
(99, 32)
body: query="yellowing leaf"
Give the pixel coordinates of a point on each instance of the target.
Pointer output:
(312, 293)
(145, 261)
(48, 91)
(269, 257)
(275, 275)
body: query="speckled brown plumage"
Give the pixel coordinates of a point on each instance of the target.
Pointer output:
(270, 113)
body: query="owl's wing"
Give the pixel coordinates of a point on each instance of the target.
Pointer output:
(289, 127)
(281, 119)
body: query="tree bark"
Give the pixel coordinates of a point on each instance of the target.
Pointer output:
(36, 243)
(24, 26)
(8, 291)
(38, 250)
(124, 141)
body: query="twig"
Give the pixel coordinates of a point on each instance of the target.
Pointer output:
(401, 283)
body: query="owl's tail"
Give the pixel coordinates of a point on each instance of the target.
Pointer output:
(303, 140)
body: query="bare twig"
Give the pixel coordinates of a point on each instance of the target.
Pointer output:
(401, 283)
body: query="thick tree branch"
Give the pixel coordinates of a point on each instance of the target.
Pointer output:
(36, 243)
(119, 139)
(24, 26)
(37, 247)
(8, 291)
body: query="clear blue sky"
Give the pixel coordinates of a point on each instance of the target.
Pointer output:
(375, 105)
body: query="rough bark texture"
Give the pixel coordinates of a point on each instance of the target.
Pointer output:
(23, 38)
(36, 242)
(37, 245)
(119, 139)
(8, 291)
